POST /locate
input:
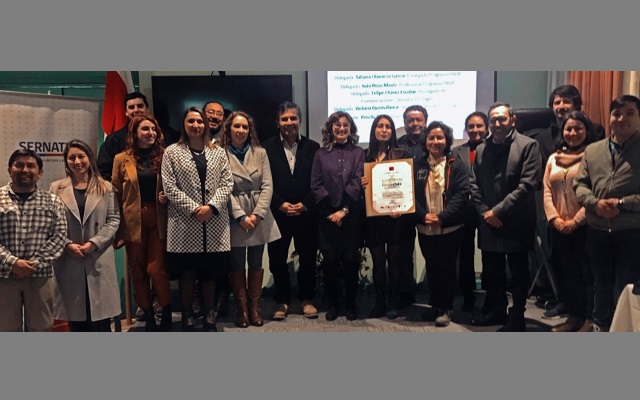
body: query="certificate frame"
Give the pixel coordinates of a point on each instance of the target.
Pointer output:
(383, 174)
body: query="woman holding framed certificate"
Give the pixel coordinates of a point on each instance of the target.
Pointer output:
(383, 233)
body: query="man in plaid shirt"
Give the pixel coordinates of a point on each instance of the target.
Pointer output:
(33, 233)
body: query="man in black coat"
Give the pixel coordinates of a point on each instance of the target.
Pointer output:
(135, 103)
(505, 174)
(291, 157)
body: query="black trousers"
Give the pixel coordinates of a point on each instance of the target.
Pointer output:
(338, 264)
(495, 280)
(440, 253)
(303, 232)
(570, 251)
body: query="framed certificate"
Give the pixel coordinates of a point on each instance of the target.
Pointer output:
(390, 187)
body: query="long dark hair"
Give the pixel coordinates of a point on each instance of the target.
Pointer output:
(374, 144)
(206, 136)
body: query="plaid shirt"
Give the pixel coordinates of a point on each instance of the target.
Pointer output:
(34, 230)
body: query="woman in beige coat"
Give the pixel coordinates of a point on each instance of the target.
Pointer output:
(252, 224)
(86, 293)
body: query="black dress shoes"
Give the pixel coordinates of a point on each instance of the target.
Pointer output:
(351, 314)
(490, 319)
(332, 314)
(513, 326)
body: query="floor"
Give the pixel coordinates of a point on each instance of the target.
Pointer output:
(409, 321)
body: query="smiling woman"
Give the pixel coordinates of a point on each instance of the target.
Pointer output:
(442, 195)
(336, 185)
(87, 293)
(197, 182)
(136, 180)
(252, 223)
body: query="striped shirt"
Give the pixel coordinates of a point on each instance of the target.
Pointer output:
(34, 229)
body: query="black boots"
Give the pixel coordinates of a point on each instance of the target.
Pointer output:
(166, 319)
(209, 321)
(187, 322)
(150, 320)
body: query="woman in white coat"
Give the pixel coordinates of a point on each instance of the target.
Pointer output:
(87, 293)
(252, 224)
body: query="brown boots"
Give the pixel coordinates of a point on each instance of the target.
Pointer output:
(239, 288)
(248, 310)
(254, 292)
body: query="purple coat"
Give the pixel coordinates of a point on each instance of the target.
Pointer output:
(336, 172)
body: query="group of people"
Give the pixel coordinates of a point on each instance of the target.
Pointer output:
(203, 209)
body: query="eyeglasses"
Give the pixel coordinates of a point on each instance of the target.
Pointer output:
(217, 113)
(339, 125)
(501, 119)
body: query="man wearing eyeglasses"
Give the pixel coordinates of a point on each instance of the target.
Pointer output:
(214, 112)
(504, 177)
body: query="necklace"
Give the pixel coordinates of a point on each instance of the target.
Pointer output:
(196, 153)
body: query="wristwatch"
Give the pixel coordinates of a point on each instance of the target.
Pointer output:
(620, 204)
(345, 210)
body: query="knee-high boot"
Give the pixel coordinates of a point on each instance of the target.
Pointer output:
(254, 294)
(150, 324)
(239, 287)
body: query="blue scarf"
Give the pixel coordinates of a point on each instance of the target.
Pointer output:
(239, 153)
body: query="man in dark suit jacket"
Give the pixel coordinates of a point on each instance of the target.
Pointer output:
(291, 157)
(504, 178)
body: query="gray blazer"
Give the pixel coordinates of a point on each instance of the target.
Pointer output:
(252, 192)
(182, 187)
(97, 271)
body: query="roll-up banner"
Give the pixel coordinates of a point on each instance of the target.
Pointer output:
(45, 123)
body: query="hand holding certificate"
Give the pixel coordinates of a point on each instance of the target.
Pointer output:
(390, 187)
